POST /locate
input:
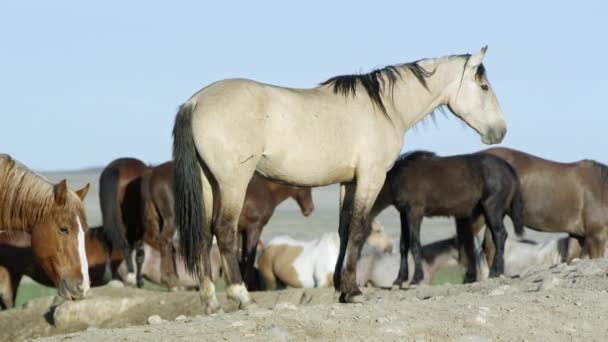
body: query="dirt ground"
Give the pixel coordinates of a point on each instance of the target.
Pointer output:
(563, 303)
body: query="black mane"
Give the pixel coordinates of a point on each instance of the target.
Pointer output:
(412, 156)
(377, 81)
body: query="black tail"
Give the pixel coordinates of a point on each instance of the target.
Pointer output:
(517, 212)
(111, 213)
(188, 188)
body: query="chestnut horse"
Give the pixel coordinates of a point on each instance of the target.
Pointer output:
(18, 258)
(55, 218)
(561, 197)
(120, 201)
(261, 199)
(348, 130)
(421, 184)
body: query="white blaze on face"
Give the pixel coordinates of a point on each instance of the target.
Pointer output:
(82, 254)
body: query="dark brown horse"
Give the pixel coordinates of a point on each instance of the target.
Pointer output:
(262, 197)
(55, 218)
(120, 201)
(18, 258)
(421, 184)
(561, 197)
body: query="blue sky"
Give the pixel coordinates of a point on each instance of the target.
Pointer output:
(82, 83)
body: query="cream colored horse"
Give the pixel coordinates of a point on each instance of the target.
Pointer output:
(348, 130)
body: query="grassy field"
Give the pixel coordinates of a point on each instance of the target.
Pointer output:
(30, 290)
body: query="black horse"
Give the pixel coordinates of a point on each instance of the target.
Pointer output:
(465, 186)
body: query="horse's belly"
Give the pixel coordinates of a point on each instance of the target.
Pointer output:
(305, 169)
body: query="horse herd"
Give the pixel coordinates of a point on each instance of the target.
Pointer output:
(241, 147)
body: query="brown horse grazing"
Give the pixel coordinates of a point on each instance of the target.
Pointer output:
(561, 197)
(55, 218)
(120, 201)
(18, 258)
(261, 199)
(467, 186)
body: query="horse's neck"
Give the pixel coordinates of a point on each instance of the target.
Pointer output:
(412, 101)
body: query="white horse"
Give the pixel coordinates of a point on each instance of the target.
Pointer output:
(289, 262)
(381, 269)
(348, 130)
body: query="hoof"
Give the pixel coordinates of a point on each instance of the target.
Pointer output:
(356, 298)
(407, 286)
(248, 306)
(212, 308)
(130, 279)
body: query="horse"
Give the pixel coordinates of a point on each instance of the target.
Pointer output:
(151, 269)
(120, 201)
(421, 184)
(261, 199)
(55, 218)
(307, 264)
(576, 207)
(356, 123)
(380, 269)
(18, 258)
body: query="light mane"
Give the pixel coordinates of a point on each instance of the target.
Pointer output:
(27, 198)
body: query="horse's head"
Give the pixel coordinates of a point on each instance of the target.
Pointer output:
(304, 198)
(58, 242)
(474, 101)
(379, 239)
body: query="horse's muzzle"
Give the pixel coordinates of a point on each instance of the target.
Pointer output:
(494, 135)
(71, 289)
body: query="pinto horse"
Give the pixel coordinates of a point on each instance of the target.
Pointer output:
(55, 218)
(120, 201)
(261, 199)
(422, 184)
(561, 197)
(348, 130)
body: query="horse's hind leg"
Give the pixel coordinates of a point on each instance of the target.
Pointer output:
(232, 196)
(465, 236)
(206, 285)
(494, 217)
(404, 246)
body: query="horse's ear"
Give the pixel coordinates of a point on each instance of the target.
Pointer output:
(475, 59)
(83, 192)
(61, 192)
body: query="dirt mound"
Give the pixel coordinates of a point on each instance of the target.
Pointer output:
(562, 303)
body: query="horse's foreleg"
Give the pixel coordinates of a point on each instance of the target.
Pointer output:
(139, 261)
(404, 245)
(248, 270)
(367, 189)
(347, 197)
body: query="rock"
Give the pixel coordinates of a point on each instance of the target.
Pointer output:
(286, 306)
(278, 334)
(92, 311)
(382, 320)
(155, 319)
(117, 284)
(548, 283)
(180, 318)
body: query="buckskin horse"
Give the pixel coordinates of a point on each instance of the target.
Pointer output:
(348, 130)
(54, 217)
(261, 199)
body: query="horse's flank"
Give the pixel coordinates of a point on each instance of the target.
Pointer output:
(27, 197)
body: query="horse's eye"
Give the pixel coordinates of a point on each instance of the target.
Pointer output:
(64, 230)
(484, 87)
